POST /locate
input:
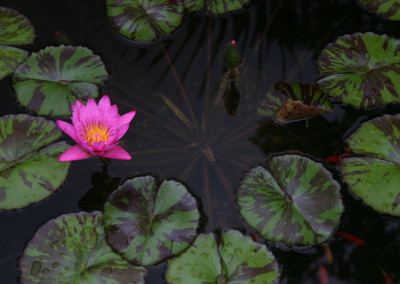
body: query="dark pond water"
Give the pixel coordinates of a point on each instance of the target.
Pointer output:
(162, 145)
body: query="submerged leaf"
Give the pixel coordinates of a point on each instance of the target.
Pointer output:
(291, 101)
(72, 249)
(237, 259)
(50, 81)
(387, 8)
(29, 170)
(294, 200)
(375, 177)
(147, 222)
(144, 20)
(362, 69)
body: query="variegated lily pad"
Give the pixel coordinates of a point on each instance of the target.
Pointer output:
(216, 7)
(144, 20)
(375, 177)
(10, 58)
(29, 170)
(72, 249)
(362, 69)
(15, 29)
(293, 200)
(292, 101)
(387, 8)
(147, 222)
(50, 81)
(237, 259)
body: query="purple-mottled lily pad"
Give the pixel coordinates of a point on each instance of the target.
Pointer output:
(387, 8)
(144, 20)
(237, 259)
(147, 222)
(216, 7)
(293, 200)
(362, 69)
(50, 81)
(292, 101)
(375, 176)
(72, 249)
(15, 29)
(10, 58)
(29, 170)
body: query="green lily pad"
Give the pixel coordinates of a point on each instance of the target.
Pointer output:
(292, 101)
(15, 29)
(147, 222)
(144, 20)
(387, 8)
(72, 249)
(29, 169)
(193, 5)
(375, 177)
(293, 200)
(10, 58)
(216, 7)
(362, 70)
(237, 259)
(50, 81)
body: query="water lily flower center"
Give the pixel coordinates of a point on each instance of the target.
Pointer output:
(96, 132)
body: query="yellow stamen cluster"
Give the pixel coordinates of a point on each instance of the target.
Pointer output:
(96, 132)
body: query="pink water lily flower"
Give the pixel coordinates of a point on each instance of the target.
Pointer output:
(96, 129)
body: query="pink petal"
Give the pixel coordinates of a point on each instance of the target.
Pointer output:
(104, 103)
(127, 117)
(68, 129)
(98, 146)
(121, 131)
(74, 153)
(117, 153)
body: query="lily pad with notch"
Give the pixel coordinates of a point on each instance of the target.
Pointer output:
(50, 81)
(236, 259)
(389, 9)
(15, 29)
(292, 199)
(288, 101)
(374, 176)
(148, 222)
(362, 69)
(144, 20)
(72, 249)
(29, 169)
